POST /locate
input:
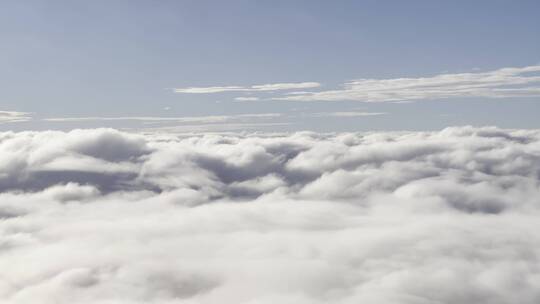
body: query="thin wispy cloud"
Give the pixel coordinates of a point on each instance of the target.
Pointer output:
(13, 116)
(210, 123)
(253, 88)
(505, 82)
(213, 119)
(346, 114)
(209, 128)
(246, 98)
(185, 119)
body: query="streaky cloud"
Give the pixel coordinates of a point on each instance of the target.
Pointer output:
(248, 98)
(14, 116)
(346, 114)
(186, 119)
(253, 88)
(501, 83)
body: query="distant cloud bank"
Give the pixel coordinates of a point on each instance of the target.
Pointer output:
(102, 216)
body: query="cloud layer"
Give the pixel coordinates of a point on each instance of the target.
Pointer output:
(101, 216)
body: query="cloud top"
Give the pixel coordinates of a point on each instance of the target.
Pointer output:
(103, 216)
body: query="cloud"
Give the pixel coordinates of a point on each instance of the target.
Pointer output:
(12, 116)
(246, 98)
(347, 114)
(253, 88)
(103, 216)
(185, 124)
(502, 83)
(187, 119)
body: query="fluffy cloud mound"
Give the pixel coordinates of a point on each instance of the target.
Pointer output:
(101, 216)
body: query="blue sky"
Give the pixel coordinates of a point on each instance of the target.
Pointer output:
(130, 64)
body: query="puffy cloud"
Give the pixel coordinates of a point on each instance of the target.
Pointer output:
(253, 88)
(102, 216)
(505, 82)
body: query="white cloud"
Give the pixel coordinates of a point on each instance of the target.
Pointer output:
(506, 82)
(501, 83)
(208, 90)
(347, 114)
(246, 98)
(253, 88)
(187, 119)
(285, 86)
(12, 116)
(219, 128)
(102, 216)
(186, 124)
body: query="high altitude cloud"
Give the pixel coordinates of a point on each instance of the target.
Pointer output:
(253, 88)
(249, 98)
(102, 216)
(12, 116)
(506, 82)
(184, 123)
(185, 119)
(210, 123)
(501, 83)
(346, 114)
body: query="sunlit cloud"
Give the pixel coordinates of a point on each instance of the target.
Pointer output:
(185, 119)
(252, 98)
(506, 82)
(253, 88)
(346, 114)
(104, 216)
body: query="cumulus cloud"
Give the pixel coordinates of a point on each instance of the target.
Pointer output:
(253, 88)
(505, 82)
(12, 116)
(103, 216)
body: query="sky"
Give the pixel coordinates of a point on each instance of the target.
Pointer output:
(269, 65)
